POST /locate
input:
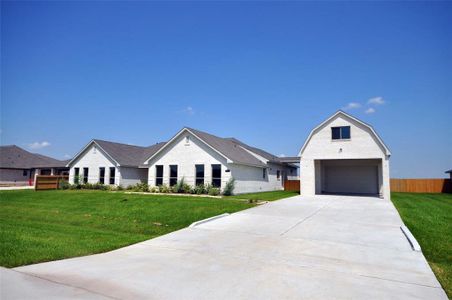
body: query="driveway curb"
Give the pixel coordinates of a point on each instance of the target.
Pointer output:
(411, 239)
(208, 220)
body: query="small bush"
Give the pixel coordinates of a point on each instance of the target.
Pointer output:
(119, 188)
(139, 187)
(154, 189)
(98, 186)
(64, 185)
(164, 188)
(75, 186)
(87, 186)
(179, 186)
(214, 191)
(130, 187)
(229, 187)
(199, 189)
(186, 188)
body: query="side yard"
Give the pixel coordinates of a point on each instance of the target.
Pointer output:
(50, 225)
(429, 218)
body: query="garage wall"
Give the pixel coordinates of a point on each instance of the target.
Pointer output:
(363, 144)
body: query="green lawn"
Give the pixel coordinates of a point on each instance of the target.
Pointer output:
(265, 196)
(429, 218)
(50, 225)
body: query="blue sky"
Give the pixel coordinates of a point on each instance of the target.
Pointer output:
(263, 72)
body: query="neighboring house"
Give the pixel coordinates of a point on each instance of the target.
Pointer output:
(202, 158)
(19, 167)
(344, 155)
(110, 163)
(450, 173)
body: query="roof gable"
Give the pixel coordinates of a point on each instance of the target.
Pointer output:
(229, 148)
(346, 116)
(122, 154)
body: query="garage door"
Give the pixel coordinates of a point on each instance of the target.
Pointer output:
(351, 180)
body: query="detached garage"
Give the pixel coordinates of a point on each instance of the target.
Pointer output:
(344, 156)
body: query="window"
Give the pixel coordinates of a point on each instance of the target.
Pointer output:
(85, 175)
(24, 173)
(173, 175)
(263, 173)
(76, 175)
(199, 174)
(278, 174)
(216, 175)
(112, 175)
(101, 175)
(158, 175)
(340, 133)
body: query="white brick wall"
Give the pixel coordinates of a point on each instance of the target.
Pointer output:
(186, 156)
(362, 145)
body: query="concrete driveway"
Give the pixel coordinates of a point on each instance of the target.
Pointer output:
(327, 247)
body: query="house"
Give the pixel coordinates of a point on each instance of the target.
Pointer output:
(344, 155)
(110, 163)
(203, 158)
(450, 173)
(19, 167)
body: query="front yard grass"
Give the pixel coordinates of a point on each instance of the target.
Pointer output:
(265, 196)
(50, 225)
(429, 218)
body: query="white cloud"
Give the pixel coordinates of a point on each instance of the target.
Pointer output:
(370, 110)
(38, 145)
(67, 156)
(189, 110)
(282, 155)
(352, 105)
(376, 101)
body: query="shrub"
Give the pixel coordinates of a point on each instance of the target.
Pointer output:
(77, 179)
(119, 188)
(229, 187)
(164, 188)
(75, 186)
(181, 187)
(154, 189)
(186, 188)
(130, 187)
(98, 186)
(199, 189)
(87, 186)
(214, 191)
(63, 185)
(207, 188)
(139, 187)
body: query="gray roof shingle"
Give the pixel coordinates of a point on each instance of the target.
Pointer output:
(14, 157)
(233, 149)
(128, 155)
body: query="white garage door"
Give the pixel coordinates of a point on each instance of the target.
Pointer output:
(351, 179)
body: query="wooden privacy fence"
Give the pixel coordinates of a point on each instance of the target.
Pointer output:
(292, 185)
(49, 182)
(421, 185)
